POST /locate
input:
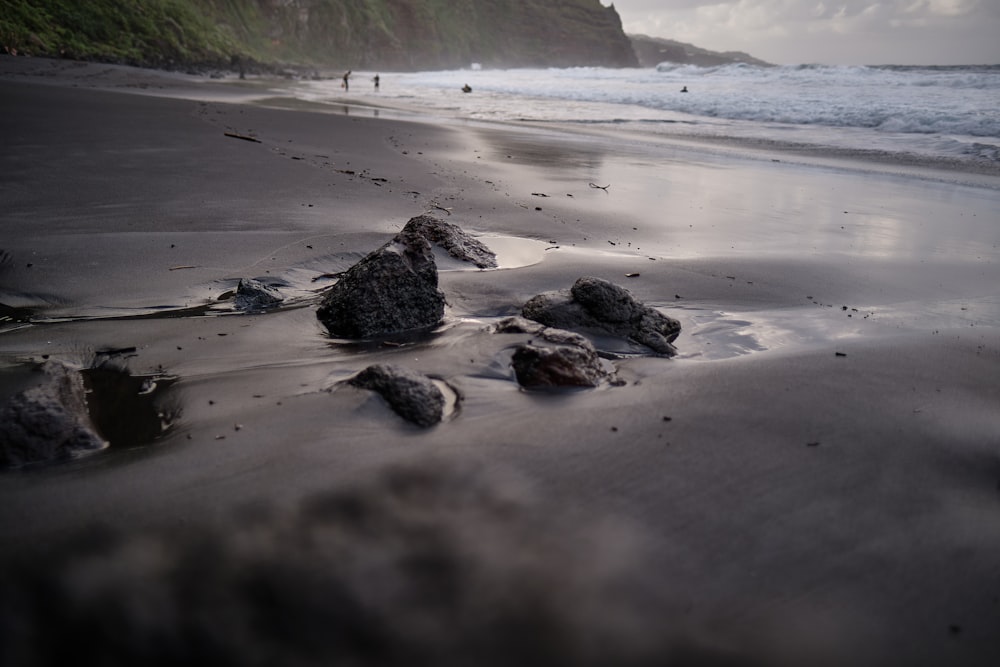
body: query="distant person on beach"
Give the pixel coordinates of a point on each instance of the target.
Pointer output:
(376, 81)
(238, 62)
(684, 89)
(466, 88)
(346, 86)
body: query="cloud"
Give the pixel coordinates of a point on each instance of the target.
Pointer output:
(832, 31)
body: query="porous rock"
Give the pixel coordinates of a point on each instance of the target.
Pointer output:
(554, 357)
(391, 290)
(412, 396)
(557, 366)
(48, 422)
(253, 295)
(600, 305)
(453, 240)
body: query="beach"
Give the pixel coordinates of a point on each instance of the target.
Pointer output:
(813, 479)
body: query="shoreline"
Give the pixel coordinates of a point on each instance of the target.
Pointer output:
(854, 144)
(975, 172)
(812, 479)
(267, 91)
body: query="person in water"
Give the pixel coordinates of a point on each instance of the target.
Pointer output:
(684, 89)
(466, 88)
(346, 86)
(376, 81)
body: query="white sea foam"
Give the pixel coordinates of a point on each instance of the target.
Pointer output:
(951, 112)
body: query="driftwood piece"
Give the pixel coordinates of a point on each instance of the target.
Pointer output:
(242, 136)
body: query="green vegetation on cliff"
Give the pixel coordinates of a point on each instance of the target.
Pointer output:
(383, 34)
(157, 32)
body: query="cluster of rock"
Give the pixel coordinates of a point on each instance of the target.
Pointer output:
(394, 289)
(598, 305)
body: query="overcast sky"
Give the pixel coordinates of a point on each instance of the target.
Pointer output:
(834, 32)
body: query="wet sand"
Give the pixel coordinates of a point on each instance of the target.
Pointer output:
(815, 477)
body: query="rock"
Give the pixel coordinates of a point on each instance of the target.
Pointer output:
(453, 240)
(518, 325)
(412, 396)
(557, 366)
(253, 295)
(548, 334)
(554, 358)
(393, 289)
(48, 422)
(599, 305)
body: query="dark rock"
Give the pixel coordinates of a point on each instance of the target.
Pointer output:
(413, 396)
(557, 366)
(253, 295)
(518, 325)
(393, 289)
(48, 422)
(554, 357)
(452, 239)
(598, 305)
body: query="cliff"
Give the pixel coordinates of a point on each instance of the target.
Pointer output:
(651, 51)
(357, 34)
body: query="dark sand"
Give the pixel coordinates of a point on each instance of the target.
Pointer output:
(799, 506)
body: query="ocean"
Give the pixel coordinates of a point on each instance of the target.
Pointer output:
(948, 113)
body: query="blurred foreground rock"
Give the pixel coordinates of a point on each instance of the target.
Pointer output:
(418, 564)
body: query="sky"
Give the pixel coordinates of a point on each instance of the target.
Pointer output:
(831, 32)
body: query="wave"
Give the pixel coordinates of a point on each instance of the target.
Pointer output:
(933, 110)
(668, 66)
(920, 100)
(974, 76)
